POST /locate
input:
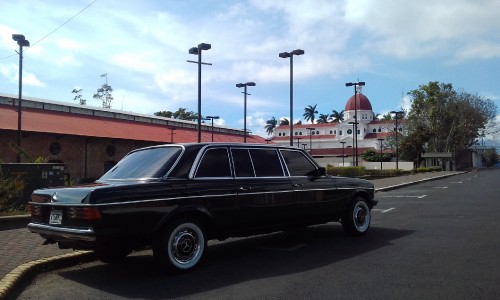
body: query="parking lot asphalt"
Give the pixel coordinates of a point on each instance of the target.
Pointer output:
(23, 254)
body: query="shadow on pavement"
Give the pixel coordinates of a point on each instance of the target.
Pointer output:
(256, 258)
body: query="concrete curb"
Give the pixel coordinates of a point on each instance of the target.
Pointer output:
(14, 278)
(396, 186)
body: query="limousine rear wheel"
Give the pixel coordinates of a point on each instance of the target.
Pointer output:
(181, 245)
(356, 220)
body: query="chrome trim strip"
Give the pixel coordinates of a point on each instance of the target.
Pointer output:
(86, 234)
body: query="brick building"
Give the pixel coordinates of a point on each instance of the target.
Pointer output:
(90, 140)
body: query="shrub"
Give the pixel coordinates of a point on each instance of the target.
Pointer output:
(10, 189)
(429, 169)
(346, 171)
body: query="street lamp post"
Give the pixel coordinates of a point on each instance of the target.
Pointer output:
(290, 55)
(172, 135)
(355, 84)
(298, 141)
(343, 144)
(244, 85)
(354, 144)
(212, 118)
(197, 51)
(310, 138)
(381, 140)
(22, 42)
(397, 116)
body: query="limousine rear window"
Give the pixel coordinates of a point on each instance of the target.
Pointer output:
(266, 163)
(243, 166)
(297, 163)
(215, 163)
(144, 164)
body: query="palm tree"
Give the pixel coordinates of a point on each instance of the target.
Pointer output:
(284, 122)
(377, 117)
(270, 125)
(310, 113)
(323, 119)
(337, 116)
(387, 116)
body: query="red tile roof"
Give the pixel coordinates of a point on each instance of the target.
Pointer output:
(47, 121)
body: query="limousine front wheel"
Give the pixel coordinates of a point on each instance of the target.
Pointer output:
(357, 218)
(181, 245)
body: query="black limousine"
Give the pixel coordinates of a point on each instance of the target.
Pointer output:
(174, 198)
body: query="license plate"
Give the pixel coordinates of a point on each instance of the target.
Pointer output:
(56, 217)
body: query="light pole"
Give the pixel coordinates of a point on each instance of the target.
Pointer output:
(172, 135)
(381, 140)
(343, 144)
(354, 143)
(285, 55)
(298, 141)
(197, 51)
(212, 118)
(355, 84)
(310, 138)
(244, 85)
(397, 116)
(22, 42)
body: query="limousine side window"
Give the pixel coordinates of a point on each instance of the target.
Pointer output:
(297, 163)
(266, 163)
(214, 163)
(243, 166)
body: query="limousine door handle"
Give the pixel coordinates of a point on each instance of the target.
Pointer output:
(297, 185)
(248, 188)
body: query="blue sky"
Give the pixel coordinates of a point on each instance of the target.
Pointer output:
(142, 46)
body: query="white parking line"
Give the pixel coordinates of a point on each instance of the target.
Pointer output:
(388, 210)
(403, 196)
(456, 182)
(440, 187)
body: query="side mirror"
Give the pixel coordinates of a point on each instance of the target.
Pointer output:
(321, 171)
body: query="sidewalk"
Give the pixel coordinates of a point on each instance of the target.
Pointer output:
(22, 252)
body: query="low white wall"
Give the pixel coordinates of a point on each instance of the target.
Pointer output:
(336, 162)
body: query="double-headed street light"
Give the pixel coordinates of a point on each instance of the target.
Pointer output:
(285, 55)
(197, 51)
(381, 140)
(397, 115)
(355, 84)
(22, 42)
(244, 85)
(311, 129)
(212, 118)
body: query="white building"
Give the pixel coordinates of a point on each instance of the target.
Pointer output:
(336, 139)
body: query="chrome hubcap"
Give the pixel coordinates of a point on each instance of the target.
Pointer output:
(185, 246)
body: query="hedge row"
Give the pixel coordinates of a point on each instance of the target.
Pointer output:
(362, 171)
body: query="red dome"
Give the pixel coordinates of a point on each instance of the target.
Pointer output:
(362, 103)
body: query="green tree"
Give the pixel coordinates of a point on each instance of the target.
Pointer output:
(271, 125)
(181, 114)
(452, 119)
(387, 117)
(79, 97)
(372, 155)
(490, 157)
(284, 122)
(323, 119)
(310, 113)
(337, 117)
(104, 93)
